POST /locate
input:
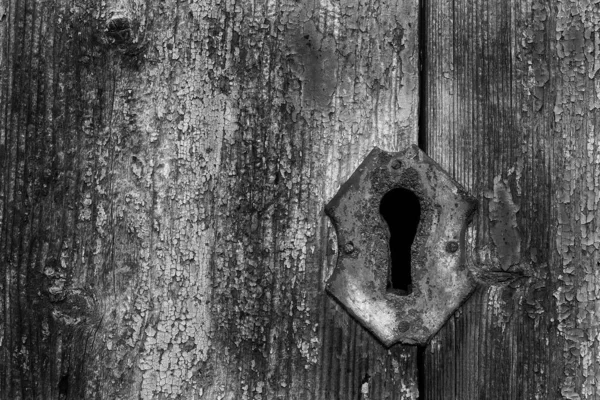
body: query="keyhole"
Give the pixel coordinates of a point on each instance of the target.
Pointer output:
(401, 210)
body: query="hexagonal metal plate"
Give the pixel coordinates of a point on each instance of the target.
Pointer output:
(440, 280)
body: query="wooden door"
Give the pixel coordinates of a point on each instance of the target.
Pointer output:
(164, 167)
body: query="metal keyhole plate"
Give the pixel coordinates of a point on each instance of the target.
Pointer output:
(440, 281)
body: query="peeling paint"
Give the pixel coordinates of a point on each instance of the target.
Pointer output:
(504, 231)
(576, 242)
(192, 150)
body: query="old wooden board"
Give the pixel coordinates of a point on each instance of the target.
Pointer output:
(163, 171)
(511, 110)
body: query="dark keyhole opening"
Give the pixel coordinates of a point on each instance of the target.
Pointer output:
(401, 209)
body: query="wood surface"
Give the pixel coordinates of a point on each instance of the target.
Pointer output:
(511, 110)
(163, 171)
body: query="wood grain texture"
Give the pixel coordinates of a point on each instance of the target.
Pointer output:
(511, 100)
(163, 171)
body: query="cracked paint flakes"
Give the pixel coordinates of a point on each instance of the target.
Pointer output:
(504, 231)
(180, 283)
(219, 139)
(179, 341)
(502, 252)
(578, 302)
(377, 82)
(167, 204)
(284, 81)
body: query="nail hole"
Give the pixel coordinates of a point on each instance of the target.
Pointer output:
(401, 209)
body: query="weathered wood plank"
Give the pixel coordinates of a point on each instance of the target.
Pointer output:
(164, 166)
(511, 101)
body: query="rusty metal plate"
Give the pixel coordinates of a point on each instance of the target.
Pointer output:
(440, 279)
